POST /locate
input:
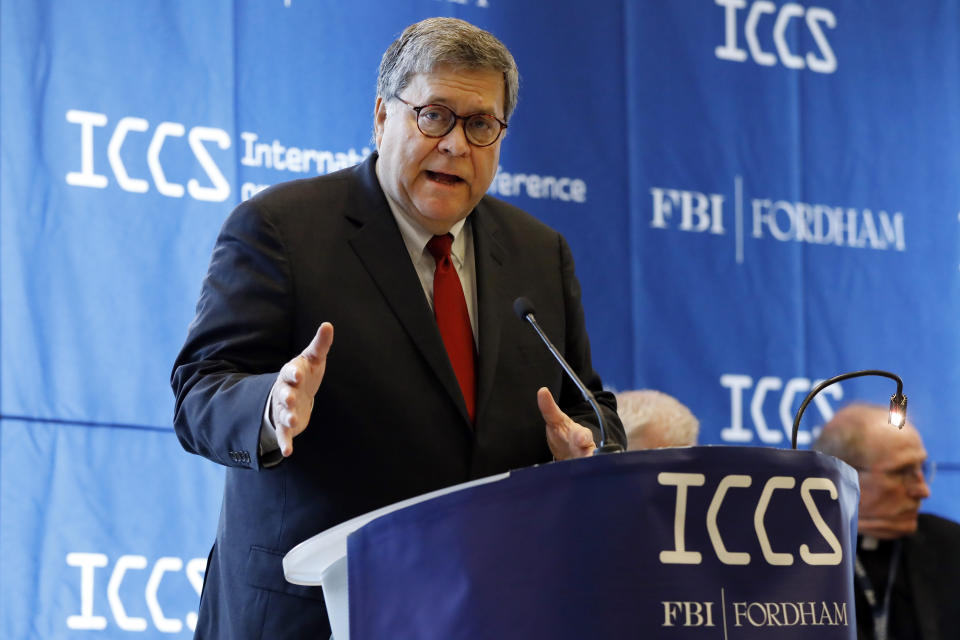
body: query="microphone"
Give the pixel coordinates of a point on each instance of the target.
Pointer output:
(524, 310)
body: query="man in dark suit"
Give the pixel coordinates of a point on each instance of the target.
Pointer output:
(908, 565)
(432, 380)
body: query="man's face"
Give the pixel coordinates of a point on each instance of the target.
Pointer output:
(892, 487)
(438, 181)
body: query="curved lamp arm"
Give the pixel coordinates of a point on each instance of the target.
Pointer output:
(898, 401)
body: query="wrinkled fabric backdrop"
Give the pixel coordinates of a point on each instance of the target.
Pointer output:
(759, 195)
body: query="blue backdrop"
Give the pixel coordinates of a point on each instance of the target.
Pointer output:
(758, 194)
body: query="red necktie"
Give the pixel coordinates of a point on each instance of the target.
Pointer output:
(453, 319)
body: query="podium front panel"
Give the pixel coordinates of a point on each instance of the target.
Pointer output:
(701, 542)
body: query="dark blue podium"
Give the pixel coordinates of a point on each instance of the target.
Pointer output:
(699, 542)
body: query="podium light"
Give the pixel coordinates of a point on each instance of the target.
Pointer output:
(898, 410)
(898, 401)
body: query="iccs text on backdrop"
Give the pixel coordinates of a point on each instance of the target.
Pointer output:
(758, 194)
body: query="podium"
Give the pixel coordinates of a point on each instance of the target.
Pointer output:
(698, 542)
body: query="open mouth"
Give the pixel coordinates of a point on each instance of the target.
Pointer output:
(443, 178)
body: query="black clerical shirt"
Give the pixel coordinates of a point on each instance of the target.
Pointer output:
(876, 557)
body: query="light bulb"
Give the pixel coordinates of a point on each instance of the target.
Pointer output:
(898, 410)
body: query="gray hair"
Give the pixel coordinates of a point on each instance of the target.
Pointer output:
(652, 415)
(424, 46)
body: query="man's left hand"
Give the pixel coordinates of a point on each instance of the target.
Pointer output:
(566, 438)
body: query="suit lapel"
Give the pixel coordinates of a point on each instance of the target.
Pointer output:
(491, 302)
(379, 246)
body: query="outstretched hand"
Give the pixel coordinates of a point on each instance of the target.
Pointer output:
(566, 438)
(291, 398)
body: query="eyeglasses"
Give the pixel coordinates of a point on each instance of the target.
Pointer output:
(910, 474)
(437, 120)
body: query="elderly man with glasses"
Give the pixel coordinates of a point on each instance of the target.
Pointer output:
(431, 380)
(907, 568)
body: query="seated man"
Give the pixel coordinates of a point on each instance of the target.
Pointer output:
(907, 565)
(653, 420)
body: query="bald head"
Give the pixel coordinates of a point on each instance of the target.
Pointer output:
(889, 461)
(859, 434)
(653, 420)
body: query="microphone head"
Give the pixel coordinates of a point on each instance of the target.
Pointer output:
(522, 307)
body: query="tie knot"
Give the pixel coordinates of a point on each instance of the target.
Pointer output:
(439, 246)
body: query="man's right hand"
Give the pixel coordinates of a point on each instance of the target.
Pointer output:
(291, 398)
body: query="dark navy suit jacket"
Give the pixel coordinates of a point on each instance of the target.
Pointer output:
(389, 420)
(924, 595)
